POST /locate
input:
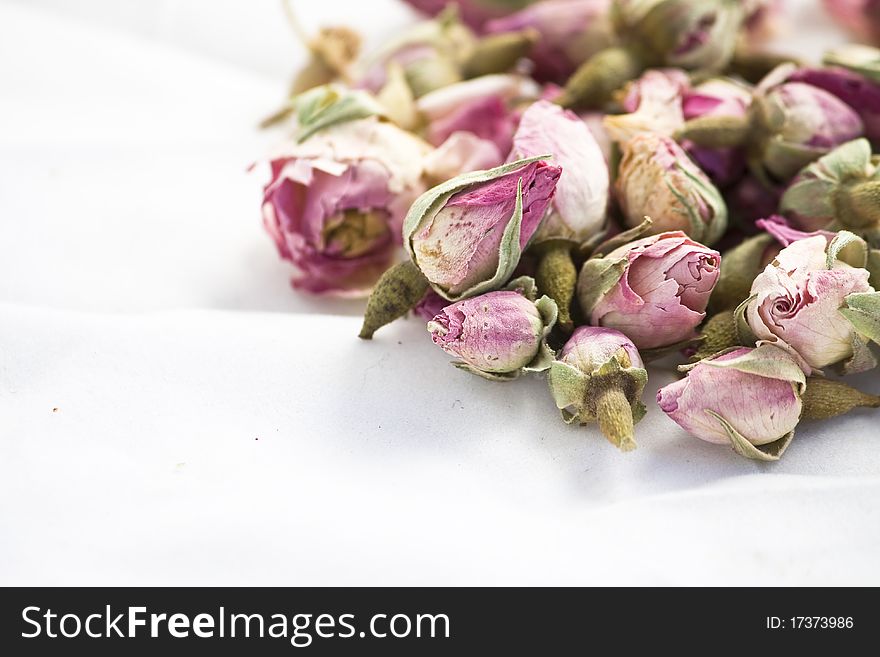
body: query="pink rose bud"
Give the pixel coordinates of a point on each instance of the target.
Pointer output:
(599, 375)
(475, 13)
(657, 179)
(483, 106)
(430, 54)
(570, 32)
(577, 213)
(461, 153)
(858, 16)
(857, 91)
(654, 290)
(747, 398)
(653, 103)
(578, 209)
(466, 235)
(799, 123)
(718, 97)
(803, 302)
(689, 34)
(497, 335)
(335, 203)
(431, 305)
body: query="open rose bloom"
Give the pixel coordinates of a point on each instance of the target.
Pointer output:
(654, 290)
(802, 303)
(747, 398)
(336, 202)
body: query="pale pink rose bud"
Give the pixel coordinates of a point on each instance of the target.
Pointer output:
(653, 103)
(861, 17)
(498, 334)
(657, 179)
(599, 376)
(570, 32)
(690, 34)
(581, 200)
(484, 106)
(466, 235)
(430, 54)
(798, 123)
(335, 203)
(800, 302)
(654, 290)
(475, 13)
(746, 398)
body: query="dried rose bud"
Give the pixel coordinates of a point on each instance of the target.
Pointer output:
(599, 375)
(653, 103)
(461, 153)
(839, 190)
(747, 398)
(431, 54)
(741, 264)
(815, 302)
(657, 179)
(798, 123)
(465, 237)
(475, 13)
(577, 213)
(484, 106)
(655, 289)
(718, 97)
(857, 91)
(861, 17)
(570, 32)
(497, 335)
(467, 234)
(336, 202)
(688, 34)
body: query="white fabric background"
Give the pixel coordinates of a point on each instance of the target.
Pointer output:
(214, 427)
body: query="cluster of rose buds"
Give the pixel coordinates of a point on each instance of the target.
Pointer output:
(577, 187)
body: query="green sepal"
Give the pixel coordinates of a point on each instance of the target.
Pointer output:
(322, 107)
(863, 312)
(597, 277)
(848, 248)
(767, 360)
(744, 333)
(769, 452)
(615, 242)
(574, 388)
